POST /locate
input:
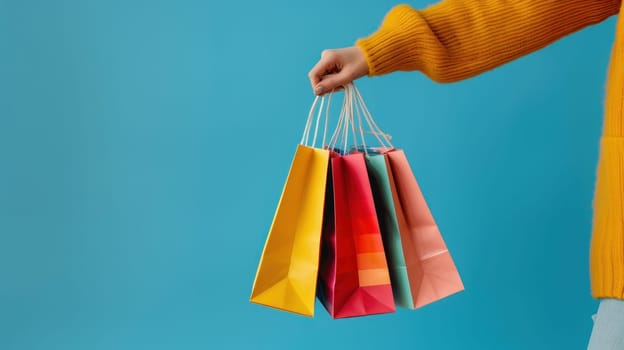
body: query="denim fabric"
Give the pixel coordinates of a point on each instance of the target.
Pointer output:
(608, 331)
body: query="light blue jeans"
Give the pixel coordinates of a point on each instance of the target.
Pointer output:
(608, 331)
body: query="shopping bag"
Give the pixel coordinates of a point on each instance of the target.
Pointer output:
(354, 276)
(288, 270)
(432, 274)
(389, 226)
(327, 260)
(421, 268)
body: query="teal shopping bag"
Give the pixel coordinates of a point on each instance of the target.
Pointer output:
(384, 205)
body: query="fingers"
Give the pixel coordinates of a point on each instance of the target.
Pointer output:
(334, 81)
(336, 68)
(326, 65)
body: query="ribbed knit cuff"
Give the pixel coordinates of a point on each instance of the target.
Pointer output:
(391, 47)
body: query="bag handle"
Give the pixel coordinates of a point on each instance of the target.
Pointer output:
(339, 125)
(345, 123)
(306, 131)
(353, 114)
(382, 137)
(353, 107)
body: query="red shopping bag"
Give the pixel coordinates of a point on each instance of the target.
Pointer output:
(353, 272)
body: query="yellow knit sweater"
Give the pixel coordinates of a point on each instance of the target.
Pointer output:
(457, 39)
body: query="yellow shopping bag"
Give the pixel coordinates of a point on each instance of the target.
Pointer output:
(288, 269)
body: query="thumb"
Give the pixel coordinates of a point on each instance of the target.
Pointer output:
(333, 82)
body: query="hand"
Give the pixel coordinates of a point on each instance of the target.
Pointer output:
(337, 68)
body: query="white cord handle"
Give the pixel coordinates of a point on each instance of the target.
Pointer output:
(353, 106)
(372, 124)
(341, 120)
(306, 131)
(345, 120)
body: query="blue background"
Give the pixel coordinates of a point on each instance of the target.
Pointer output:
(144, 145)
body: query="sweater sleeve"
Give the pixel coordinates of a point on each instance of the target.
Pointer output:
(457, 39)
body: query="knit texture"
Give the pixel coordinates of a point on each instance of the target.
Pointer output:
(456, 39)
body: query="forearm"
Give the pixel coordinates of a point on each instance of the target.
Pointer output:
(456, 39)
